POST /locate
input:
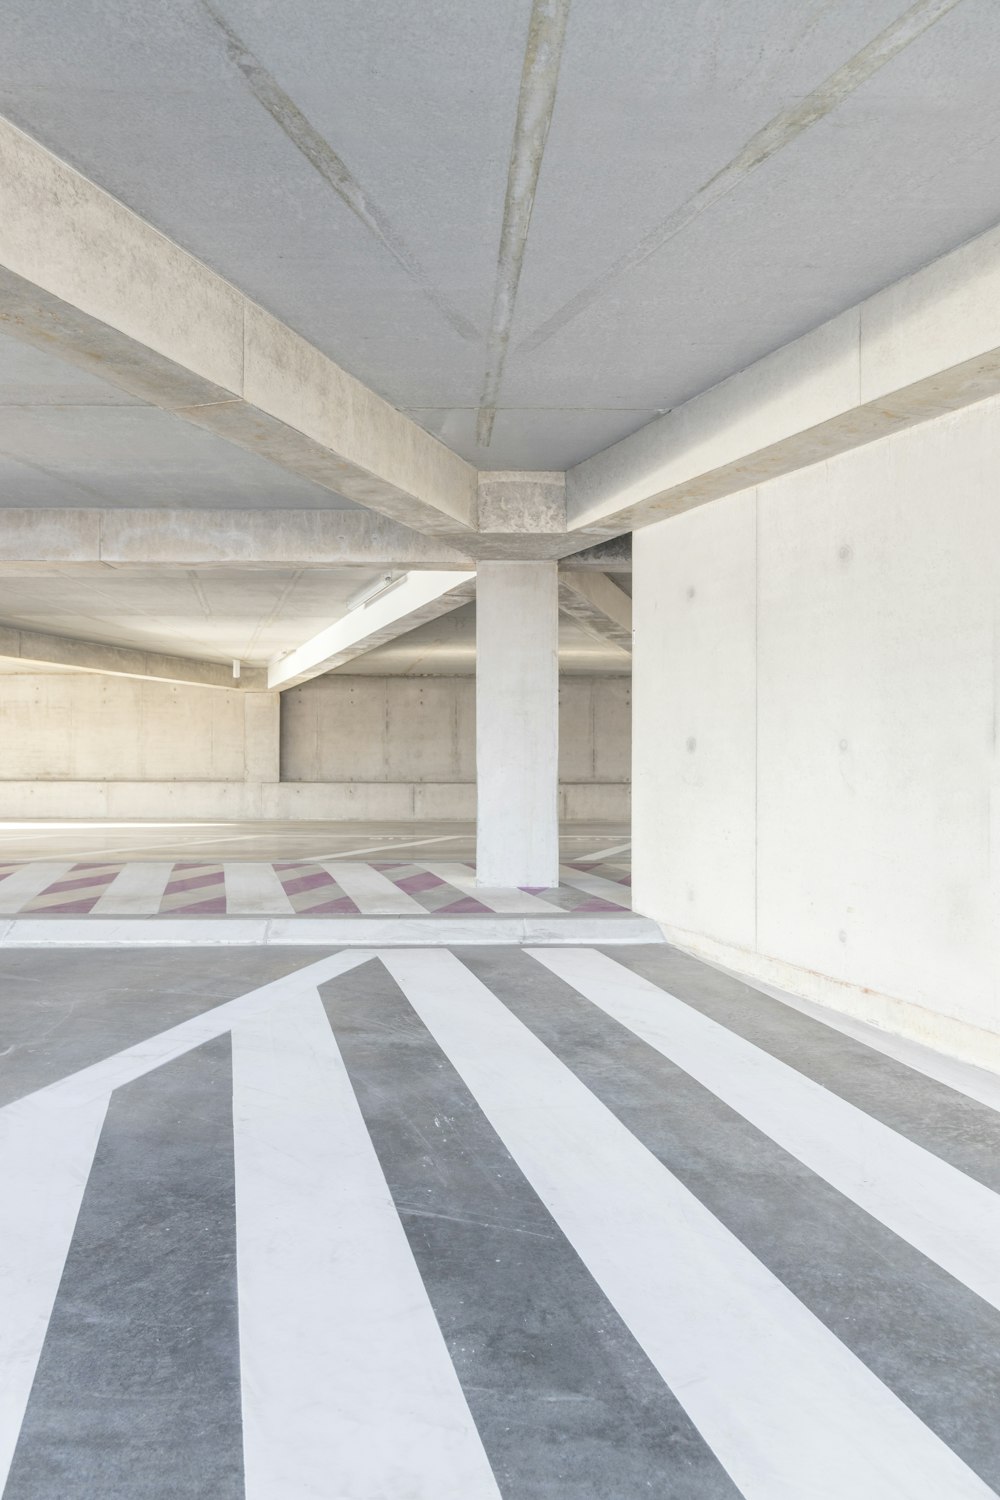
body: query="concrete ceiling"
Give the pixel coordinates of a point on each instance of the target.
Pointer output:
(715, 180)
(346, 165)
(210, 613)
(446, 647)
(254, 615)
(71, 440)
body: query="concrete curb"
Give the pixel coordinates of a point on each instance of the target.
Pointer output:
(324, 932)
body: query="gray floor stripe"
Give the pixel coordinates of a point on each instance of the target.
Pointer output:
(960, 1130)
(65, 1009)
(931, 1341)
(137, 1394)
(567, 1404)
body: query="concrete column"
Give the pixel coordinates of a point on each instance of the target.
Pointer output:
(517, 723)
(262, 736)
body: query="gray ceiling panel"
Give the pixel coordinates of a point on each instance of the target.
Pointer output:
(229, 130)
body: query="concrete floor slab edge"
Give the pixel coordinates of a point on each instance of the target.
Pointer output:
(317, 932)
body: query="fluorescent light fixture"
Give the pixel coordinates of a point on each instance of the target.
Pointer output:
(375, 590)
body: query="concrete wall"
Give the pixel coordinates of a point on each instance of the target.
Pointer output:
(84, 726)
(815, 768)
(417, 737)
(424, 729)
(84, 745)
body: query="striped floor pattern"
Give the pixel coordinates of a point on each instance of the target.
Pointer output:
(547, 1224)
(300, 888)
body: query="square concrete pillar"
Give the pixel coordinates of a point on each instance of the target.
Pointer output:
(517, 723)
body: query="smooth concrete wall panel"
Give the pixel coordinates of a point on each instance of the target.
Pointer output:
(425, 746)
(611, 706)
(694, 747)
(843, 847)
(423, 730)
(876, 699)
(88, 727)
(262, 736)
(384, 749)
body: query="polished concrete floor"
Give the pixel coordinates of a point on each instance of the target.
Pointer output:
(539, 1224)
(77, 840)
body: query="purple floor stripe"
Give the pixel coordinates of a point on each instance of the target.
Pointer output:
(65, 908)
(77, 885)
(425, 881)
(215, 907)
(344, 907)
(307, 882)
(193, 882)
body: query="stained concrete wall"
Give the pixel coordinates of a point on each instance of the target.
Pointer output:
(815, 770)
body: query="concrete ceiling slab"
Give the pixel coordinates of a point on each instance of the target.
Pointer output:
(533, 438)
(446, 647)
(34, 377)
(83, 451)
(215, 614)
(347, 165)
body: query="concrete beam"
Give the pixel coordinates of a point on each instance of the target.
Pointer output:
(92, 541)
(613, 556)
(84, 276)
(418, 598)
(87, 541)
(924, 346)
(599, 605)
(123, 661)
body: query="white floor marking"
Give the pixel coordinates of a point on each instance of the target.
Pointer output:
(348, 1388)
(254, 890)
(392, 845)
(789, 1411)
(947, 1216)
(20, 887)
(596, 885)
(497, 899)
(373, 893)
(98, 1080)
(136, 890)
(46, 1154)
(121, 853)
(607, 853)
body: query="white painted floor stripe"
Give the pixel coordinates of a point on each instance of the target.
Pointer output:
(596, 885)
(607, 853)
(136, 890)
(17, 889)
(787, 1408)
(348, 1388)
(98, 1080)
(513, 902)
(393, 844)
(947, 1216)
(254, 890)
(46, 1153)
(373, 893)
